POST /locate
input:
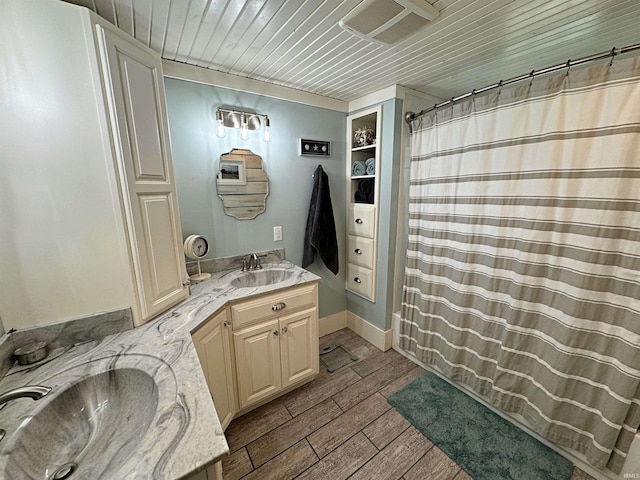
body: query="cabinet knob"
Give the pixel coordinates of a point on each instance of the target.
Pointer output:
(225, 323)
(278, 306)
(358, 251)
(276, 333)
(357, 280)
(284, 329)
(359, 221)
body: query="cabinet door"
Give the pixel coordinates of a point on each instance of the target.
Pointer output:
(299, 346)
(213, 345)
(257, 362)
(135, 96)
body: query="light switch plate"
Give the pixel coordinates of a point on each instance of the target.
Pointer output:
(277, 234)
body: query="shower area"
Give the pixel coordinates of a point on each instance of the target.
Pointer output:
(521, 279)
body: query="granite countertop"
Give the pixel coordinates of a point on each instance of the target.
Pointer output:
(185, 435)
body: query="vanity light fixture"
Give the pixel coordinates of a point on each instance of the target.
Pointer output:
(219, 124)
(245, 121)
(244, 128)
(267, 129)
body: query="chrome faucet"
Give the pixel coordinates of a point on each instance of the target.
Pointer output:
(32, 391)
(251, 262)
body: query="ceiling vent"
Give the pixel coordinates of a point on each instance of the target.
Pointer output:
(388, 21)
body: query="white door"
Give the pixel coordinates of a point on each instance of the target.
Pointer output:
(213, 346)
(135, 93)
(257, 362)
(299, 346)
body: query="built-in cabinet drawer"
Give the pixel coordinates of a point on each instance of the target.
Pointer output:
(360, 280)
(273, 305)
(360, 251)
(362, 220)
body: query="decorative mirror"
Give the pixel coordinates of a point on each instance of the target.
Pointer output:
(242, 184)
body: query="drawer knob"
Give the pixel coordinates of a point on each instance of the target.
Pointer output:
(276, 333)
(284, 329)
(278, 306)
(358, 251)
(357, 280)
(359, 221)
(225, 323)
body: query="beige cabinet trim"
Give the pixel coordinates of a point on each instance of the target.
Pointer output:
(212, 342)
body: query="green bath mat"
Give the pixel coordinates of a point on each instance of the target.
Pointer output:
(484, 444)
(336, 356)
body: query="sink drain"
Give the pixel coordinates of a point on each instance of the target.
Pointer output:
(63, 471)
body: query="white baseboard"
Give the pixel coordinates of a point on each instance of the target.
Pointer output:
(332, 323)
(371, 333)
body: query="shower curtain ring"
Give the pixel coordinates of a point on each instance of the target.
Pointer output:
(613, 54)
(568, 67)
(500, 85)
(531, 75)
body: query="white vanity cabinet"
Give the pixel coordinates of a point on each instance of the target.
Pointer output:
(213, 346)
(276, 343)
(89, 194)
(257, 349)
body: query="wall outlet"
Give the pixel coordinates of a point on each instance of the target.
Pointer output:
(277, 234)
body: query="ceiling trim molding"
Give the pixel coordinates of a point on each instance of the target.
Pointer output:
(192, 73)
(379, 96)
(425, 96)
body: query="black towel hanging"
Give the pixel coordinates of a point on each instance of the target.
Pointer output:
(320, 233)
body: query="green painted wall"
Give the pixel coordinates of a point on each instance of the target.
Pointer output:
(379, 313)
(196, 151)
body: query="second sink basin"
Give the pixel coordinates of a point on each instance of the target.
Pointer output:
(260, 278)
(89, 429)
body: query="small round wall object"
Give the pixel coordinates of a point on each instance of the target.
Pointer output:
(196, 247)
(31, 353)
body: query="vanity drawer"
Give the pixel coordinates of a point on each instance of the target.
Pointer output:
(273, 305)
(360, 251)
(360, 280)
(362, 220)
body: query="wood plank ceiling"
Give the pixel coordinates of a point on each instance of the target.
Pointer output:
(299, 44)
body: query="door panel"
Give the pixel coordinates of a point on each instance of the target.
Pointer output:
(257, 362)
(213, 346)
(299, 346)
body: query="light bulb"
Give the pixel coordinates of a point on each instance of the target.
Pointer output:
(220, 124)
(267, 129)
(244, 128)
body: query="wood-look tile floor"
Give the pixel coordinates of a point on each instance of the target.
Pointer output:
(340, 426)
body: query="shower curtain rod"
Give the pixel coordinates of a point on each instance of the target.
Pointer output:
(410, 116)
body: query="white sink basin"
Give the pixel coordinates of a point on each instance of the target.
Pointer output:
(260, 278)
(88, 429)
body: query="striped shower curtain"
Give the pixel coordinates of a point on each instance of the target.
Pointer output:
(523, 262)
